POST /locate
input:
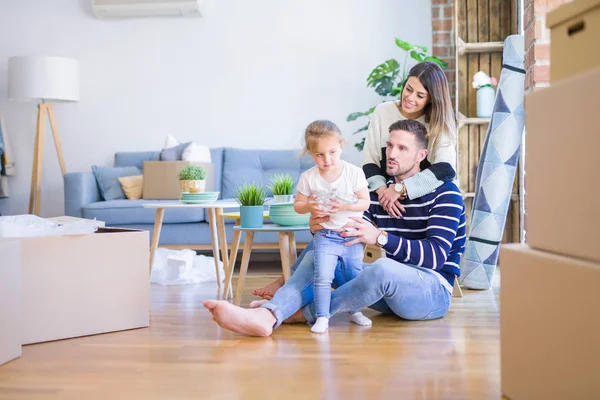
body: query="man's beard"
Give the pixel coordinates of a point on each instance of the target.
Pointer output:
(398, 171)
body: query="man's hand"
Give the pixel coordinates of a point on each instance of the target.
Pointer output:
(389, 200)
(363, 230)
(315, 222)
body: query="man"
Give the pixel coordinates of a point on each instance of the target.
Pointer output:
(414, 282)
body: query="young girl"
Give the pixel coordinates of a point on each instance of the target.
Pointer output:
(335, 179)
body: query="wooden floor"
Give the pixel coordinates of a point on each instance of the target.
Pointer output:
(184, 355)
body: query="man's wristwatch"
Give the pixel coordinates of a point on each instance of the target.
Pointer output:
(382, 239)
(400, 188)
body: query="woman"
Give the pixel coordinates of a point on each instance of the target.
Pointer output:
(425, 98)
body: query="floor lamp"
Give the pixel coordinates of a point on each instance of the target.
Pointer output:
(43, 79)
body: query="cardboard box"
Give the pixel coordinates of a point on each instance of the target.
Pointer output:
(82, 285)
(574, 32)
(161, 179)
(372, 253)
(549, 325)
(562, 186)
(10, 300)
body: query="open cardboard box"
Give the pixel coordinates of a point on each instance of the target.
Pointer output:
(10, 300)
(78, 285)
(161, 179)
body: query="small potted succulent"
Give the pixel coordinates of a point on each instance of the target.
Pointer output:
(282, 187)
(192, 178)
(252, 199)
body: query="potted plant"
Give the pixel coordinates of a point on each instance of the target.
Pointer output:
(192, 178)
(252, 199)
(486, 95)
(388, 80)
(282, 187)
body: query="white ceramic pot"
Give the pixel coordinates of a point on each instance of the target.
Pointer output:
(486, 96)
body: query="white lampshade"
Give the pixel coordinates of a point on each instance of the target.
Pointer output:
(46, 78)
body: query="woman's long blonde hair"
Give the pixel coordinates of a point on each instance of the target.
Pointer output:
(438, 112)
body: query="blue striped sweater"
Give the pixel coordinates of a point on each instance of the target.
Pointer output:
(431, 234)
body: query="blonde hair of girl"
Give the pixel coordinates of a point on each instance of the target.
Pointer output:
(318, 130)
(438, 113)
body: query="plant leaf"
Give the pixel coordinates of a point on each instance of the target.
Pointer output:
(354, 116)
(417, 55)
(384, 86)
(436, 60)
(388, 67)
(360, 145)
(364, 128)
(403, 45)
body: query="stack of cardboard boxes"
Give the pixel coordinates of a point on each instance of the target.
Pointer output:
(550, 296)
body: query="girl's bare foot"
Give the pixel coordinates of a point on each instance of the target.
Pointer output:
(267, 292)
(254, 322)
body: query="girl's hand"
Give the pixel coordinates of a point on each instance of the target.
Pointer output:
(336, 206)
(315, 207)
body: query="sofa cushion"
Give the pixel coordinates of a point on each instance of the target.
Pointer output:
(135, 158)
(174, 153)
(108, 180)
(242, 166)
(131, 212)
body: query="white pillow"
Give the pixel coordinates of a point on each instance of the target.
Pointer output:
(197, 153)
(170, 142)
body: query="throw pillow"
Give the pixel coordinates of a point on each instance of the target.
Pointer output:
(173, 153)
(132, 186)
(196, 153)
(108, 180)
(170, 142)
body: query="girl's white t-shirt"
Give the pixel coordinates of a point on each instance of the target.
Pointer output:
(350, 181)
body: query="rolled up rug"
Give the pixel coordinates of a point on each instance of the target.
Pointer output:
(496, 171)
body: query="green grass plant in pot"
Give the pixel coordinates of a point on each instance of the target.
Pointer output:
(282, 187)
(252, 199)
(192, 178)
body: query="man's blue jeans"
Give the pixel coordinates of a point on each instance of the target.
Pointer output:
(410, 292)
(329, 248)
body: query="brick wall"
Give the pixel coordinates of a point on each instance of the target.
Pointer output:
(537, 42)
(442, 24)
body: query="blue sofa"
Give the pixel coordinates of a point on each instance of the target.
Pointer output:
(232, 167)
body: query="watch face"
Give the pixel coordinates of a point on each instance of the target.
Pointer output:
(382, 239)
(398, 187)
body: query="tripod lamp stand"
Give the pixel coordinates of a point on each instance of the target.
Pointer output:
(43, 79)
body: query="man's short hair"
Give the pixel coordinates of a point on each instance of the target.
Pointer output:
(414, 127)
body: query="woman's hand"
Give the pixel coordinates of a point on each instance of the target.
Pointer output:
(315, 222)
(390, 201)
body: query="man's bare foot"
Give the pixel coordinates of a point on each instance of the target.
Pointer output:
(267, 292)
(254, 322)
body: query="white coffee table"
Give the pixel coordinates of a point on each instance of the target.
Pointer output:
(214, 211)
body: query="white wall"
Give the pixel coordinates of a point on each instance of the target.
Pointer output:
(250, 74)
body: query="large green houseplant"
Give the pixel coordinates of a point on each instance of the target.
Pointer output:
(388, 80)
